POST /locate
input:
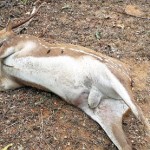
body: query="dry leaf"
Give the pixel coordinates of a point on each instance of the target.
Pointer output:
(133, 10)
(118, 24)
(6, 147)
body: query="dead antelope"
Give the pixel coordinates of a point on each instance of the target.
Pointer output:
(97, 84)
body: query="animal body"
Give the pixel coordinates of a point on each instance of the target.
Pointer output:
(80, 76)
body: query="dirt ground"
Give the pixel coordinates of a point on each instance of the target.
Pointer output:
(36, 120)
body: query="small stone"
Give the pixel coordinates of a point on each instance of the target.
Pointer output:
(65, 137)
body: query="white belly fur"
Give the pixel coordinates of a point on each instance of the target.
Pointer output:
(65, 76)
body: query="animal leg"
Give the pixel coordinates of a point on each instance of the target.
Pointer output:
(8, 84)
(109, 115)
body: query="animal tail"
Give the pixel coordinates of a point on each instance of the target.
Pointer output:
(126, 95)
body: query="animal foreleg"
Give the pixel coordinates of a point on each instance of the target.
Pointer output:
(8, 84)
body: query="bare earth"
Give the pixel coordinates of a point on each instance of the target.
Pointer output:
(36, 120)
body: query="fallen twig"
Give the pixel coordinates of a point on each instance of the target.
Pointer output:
(44, 31)
(25, 25)
(124, 13)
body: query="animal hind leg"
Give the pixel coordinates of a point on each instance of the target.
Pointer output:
(109, 115)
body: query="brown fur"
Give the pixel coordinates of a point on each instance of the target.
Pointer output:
(52, 50)
(120, 136)
(45, 49)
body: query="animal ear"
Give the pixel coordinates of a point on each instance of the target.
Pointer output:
(9, 25)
